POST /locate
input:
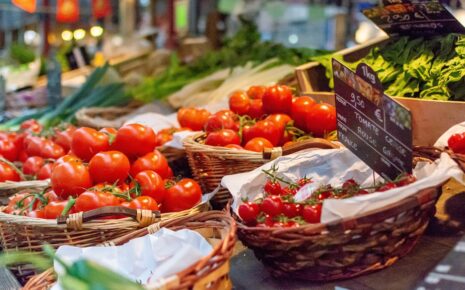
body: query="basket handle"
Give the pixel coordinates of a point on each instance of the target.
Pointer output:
(273, 153)
(144, 217)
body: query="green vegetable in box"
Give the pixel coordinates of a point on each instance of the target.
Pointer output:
(416, 67)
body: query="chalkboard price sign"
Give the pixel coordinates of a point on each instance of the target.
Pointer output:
(372, 125)
(414, 18)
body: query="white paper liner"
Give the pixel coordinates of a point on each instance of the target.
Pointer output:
(442, 141)
(334, 167)
(144, 259)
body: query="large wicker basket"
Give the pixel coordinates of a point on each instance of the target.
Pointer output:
(347, 248)
(80, 229)
(211, 272)
(210, 163)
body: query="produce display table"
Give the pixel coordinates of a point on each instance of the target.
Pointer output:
(248, 273)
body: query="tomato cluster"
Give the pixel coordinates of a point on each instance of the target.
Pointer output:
(262, 117)
(35, 148)
(278, 208)
(456, 143)
(108, 168)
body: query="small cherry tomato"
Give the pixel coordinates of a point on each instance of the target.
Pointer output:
(249, 212)
(312, 213)
(272, 205)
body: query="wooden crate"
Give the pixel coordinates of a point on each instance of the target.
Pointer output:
(430, 118)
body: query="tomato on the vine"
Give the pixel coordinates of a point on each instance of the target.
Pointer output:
(312, 213)
(152, 161)
(256, 92)
(151, 184)
(277, 99)
(456, 142)
(272, 187)
(268, 130)
(54, 209)
(279, 119)
(249, 212)
(301, 107)
(8, 150)
(239, 102)
(87, 142)
(193, 118)
(292, 209)
(181, 195)
(8, 173)
(143, 202)
(32, 165)
(223, 137)
(135, 140)
(258, 144)
(93, 199)
(256, 109)
(70, 178)
(109, 166)
(272, 205)
(321, 119)
(219, 121)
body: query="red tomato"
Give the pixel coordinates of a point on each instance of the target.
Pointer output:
(87, 142)
(239, 102)
(234, 146)
(54, 209)
(92, 199)
(193, 118)
(110, 166)
(45, 171)
(32, 165)
(272, 205)
(301, 107)
(279, 119)
(8, 173)
(273, 187)
(182, 195)
(321, 119)
(64, 138)
(268, 130)
(31, 126)
(227, 113)
(70, 178)
(277, 99)
(65, 159)
(256, 109)
(312, 213)
(143, 202)
(258, 144)
(217, 122)
(51, 150)
(456, 142)
(17, 202)
(222, 138)
(256, 92)
(151, 184)
(22, 156)
(247, 133)
(292, 209)
(135, 140)
(33, 145)
(109, 131)
(249, 212)
(9, 150)
(152, 161)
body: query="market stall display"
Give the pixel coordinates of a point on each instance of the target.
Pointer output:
(354, 236)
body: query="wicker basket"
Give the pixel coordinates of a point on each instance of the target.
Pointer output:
(211, 272)
(80, 229)
(210, 163)
(347, 248)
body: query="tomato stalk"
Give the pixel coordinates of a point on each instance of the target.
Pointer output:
(274, 176)
(68, 206)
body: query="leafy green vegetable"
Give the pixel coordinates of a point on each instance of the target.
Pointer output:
(431, 68)
(22, 53)
(238, 50)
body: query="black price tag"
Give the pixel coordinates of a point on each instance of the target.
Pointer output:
(54, 82)
(414, 18)
(372, 125)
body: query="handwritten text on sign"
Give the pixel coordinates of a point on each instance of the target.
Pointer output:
(372, 125)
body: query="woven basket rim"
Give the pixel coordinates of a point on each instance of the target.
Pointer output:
(94, 224)
(9, 185)
(420, 198)
(203, 220)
